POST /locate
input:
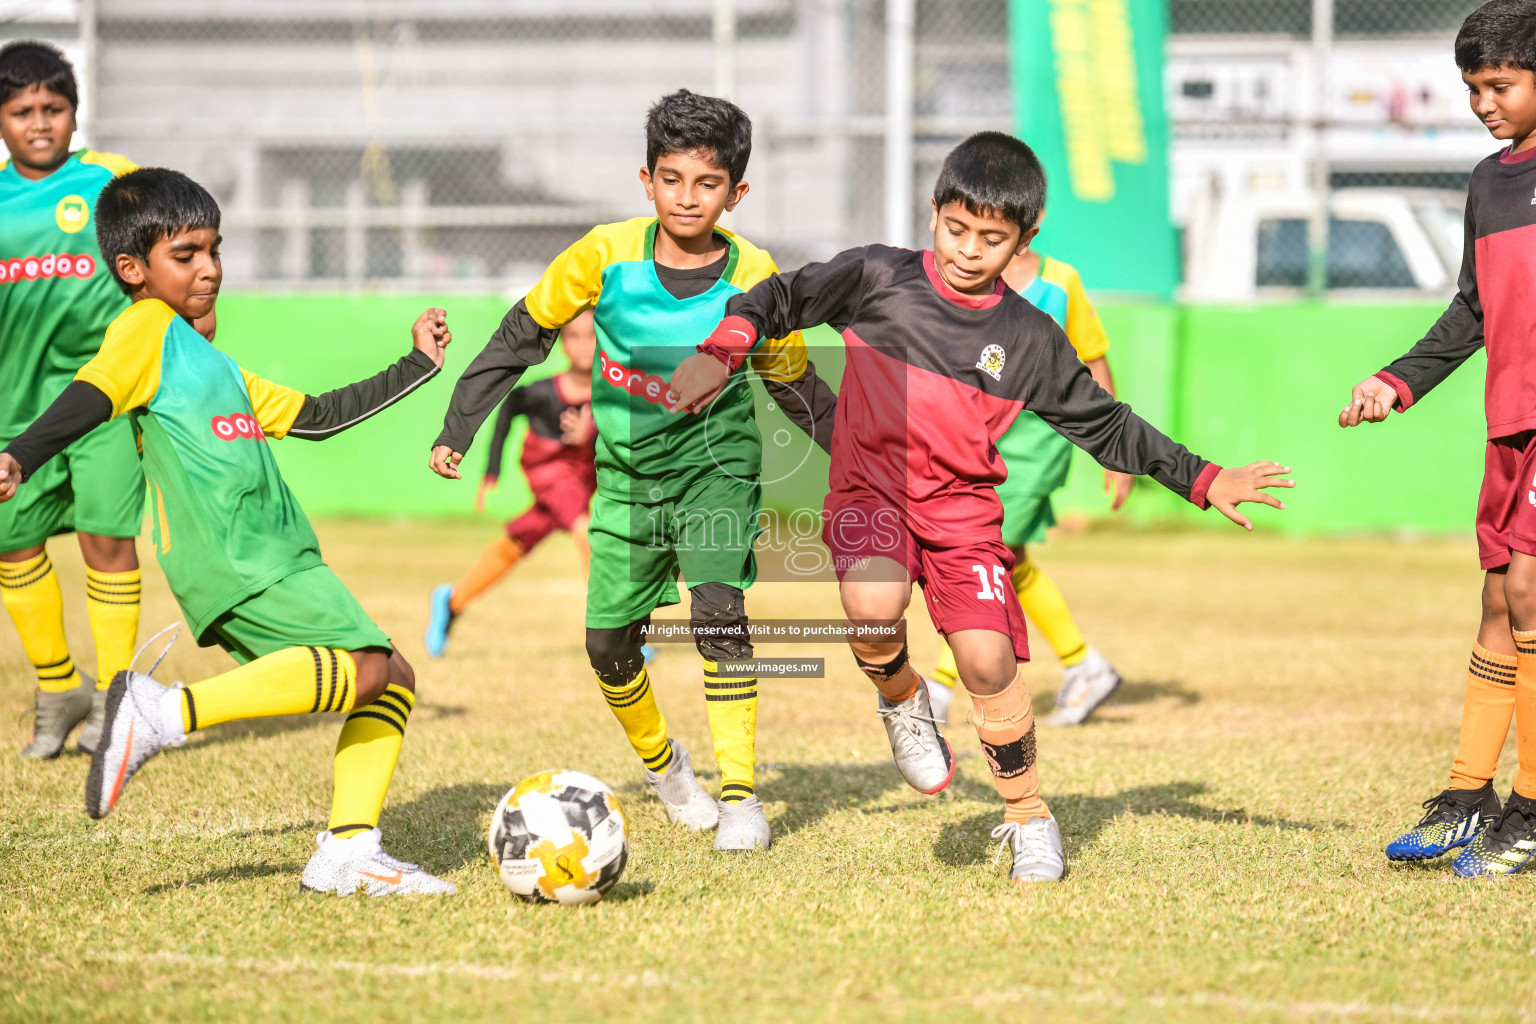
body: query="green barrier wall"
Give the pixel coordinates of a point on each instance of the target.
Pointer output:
(1235, 384)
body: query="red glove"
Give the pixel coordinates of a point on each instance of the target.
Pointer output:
(730, 341)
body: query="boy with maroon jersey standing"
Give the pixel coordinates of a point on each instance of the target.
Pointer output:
(942, 356)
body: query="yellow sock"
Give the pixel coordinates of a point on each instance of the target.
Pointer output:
(32, 596)
(634, 705)
(732, 704)
(112, 601)
(366, 753)
(946, 671)
(293, 681)
(1047, 609)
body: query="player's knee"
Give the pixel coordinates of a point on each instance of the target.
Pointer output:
(719, 622)
(401, 673)
(987, 671)
(373, 674)
(615, 654)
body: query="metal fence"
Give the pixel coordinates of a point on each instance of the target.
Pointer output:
(406, 144)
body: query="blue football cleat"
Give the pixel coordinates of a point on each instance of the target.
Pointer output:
(439, 619)
(1504, 847)
(648, 653)
(1453, 818)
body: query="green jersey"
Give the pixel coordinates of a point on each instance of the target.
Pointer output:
(56, 295)
(645, 453)
(225, 524)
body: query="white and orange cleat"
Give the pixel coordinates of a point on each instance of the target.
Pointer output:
(345, 866)
(142, 718)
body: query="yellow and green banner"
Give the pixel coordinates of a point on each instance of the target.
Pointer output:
(1088, 97)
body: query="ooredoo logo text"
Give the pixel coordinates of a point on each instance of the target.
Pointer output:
(235, 426)
(36, 268)
(637, 382)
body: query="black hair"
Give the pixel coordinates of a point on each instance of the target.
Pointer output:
(28, 62)
(1499, 33)
(142, 207)
(685, 122)
(993, 173)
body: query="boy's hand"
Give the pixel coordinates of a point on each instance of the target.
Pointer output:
(487, 485)
(445, 461)
(1372, 399)
(1232, 487)
(430, 335)
(576, 426)
(1119, 486)
(10, 477)
(698, 380)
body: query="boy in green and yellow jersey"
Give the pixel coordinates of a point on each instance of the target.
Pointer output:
(56, 300)
(236, 549)
(1038, 459)
(676, 493)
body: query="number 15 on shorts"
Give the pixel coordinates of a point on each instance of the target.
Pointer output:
(993, 587)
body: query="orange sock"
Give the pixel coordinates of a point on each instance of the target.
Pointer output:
(1525, 710)
(1006, 725)
(1485, 715)
(492, 564)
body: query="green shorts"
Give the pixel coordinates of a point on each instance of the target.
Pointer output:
(311, 608)
(96, 485)
(638, 551)
(1038, 459)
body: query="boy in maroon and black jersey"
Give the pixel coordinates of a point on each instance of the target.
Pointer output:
(1492, 309)
(941, 357)
(559, 453)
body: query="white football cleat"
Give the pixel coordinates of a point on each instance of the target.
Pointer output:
(133, 730)
(922, 755)
(743, 826)
(343, 866)
(1036, 845)
(685, 800)
(940, 697)
(1084, 687)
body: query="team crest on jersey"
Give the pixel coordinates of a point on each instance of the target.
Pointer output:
(72, 214)
(991, 361)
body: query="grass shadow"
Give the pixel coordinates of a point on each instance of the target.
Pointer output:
(1083, 818)
(239, 873)
(442, 829)
(1147, 691)
(809, 792)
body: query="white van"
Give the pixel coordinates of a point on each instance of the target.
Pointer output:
(1381, 243)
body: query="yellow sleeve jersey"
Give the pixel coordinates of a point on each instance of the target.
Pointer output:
(643, 333)
(1058, 290)
(225, 524)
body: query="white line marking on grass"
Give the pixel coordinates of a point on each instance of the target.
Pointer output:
(311, 965)
(1309, 1008)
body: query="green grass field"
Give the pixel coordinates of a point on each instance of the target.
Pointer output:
(1287, 706)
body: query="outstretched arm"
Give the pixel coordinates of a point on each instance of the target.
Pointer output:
(1450, 342)
(1064, 394)
(284, 412)
(775, 307)
(80, 409)
(808, 402)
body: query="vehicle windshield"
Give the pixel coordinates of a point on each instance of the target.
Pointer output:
(1444, 226)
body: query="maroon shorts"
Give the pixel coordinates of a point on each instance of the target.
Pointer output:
(1506, 508)
(965, 587)
(558, 503)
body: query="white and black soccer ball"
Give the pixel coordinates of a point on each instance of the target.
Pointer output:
(559, 837)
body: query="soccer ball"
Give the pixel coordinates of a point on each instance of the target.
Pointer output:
(559, 837)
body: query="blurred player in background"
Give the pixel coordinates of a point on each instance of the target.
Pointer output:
(557, 459)
(234, 545)
(675, 494)
(56, 300)
(1038, 459)
(1496, 51)
(942, 355)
